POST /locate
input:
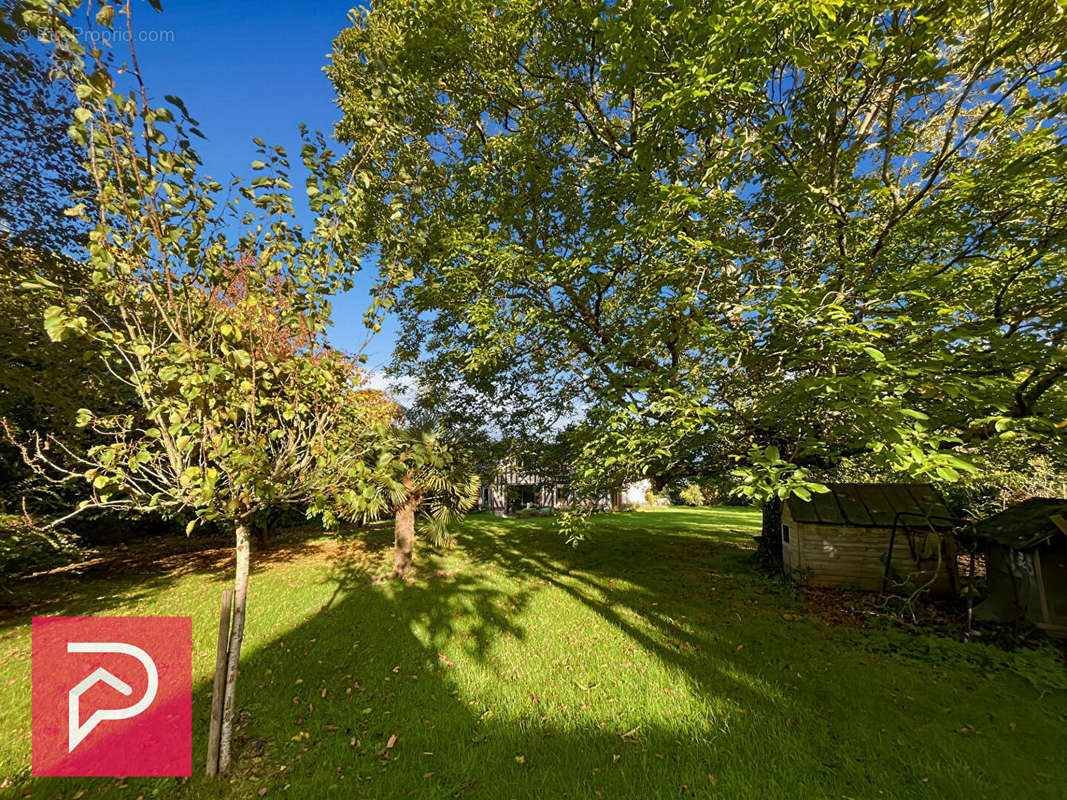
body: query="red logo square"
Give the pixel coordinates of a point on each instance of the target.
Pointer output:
(112, 696)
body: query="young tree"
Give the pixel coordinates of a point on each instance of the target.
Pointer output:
(213, 315)
(808, 231)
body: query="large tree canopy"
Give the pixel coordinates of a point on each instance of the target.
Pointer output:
(42, 383)
(808, 230)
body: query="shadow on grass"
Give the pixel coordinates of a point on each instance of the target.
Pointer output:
(446, 687)
(142, 570)
(639, 579)
(734, 717)
(422, 662)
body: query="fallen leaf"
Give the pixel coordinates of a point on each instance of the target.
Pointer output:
(391, 742)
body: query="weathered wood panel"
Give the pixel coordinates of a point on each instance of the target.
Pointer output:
(834, 555)
(790, 549)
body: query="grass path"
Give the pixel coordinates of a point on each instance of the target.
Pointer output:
(650, 662)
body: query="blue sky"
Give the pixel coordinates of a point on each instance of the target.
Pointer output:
(248, 69)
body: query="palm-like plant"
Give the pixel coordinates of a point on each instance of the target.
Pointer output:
(422, 472)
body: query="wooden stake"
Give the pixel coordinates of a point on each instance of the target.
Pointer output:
(221, 659)
(233, 657)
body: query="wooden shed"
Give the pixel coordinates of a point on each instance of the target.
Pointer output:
(875, 536)
(1026, 564)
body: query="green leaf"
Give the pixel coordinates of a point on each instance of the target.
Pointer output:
(55, 323)
(962, 464)
(948, 474)
(176, 101)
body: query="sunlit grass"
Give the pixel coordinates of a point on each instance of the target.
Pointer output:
(652, 661)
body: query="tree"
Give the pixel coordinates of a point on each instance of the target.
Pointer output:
(42, 384)
(40, 163)
(213, 315)
(422, 471)
(799, 232)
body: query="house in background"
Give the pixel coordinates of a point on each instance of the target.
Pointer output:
(1026, 564)
(513, 489)
(635, 495)
(871, 536)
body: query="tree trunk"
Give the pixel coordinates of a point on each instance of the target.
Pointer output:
(237, 630)
(404, 538)
(770, 540)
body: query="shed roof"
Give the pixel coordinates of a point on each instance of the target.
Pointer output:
(874, 505)
(1026, 525)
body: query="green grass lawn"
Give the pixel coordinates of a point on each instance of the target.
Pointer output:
(652, 661)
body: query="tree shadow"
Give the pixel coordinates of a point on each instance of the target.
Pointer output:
(139, 571)
(448, 664)
(426, 662)
(646, 664)
(686, 602)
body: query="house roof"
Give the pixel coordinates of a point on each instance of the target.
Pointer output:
(874, 505)
(1028, 524)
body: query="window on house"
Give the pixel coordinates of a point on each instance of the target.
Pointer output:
(785, 533)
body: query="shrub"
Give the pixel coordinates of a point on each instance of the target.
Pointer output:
(24, 548)
(691, 494)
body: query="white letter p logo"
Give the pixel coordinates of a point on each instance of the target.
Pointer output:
(77, 732)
